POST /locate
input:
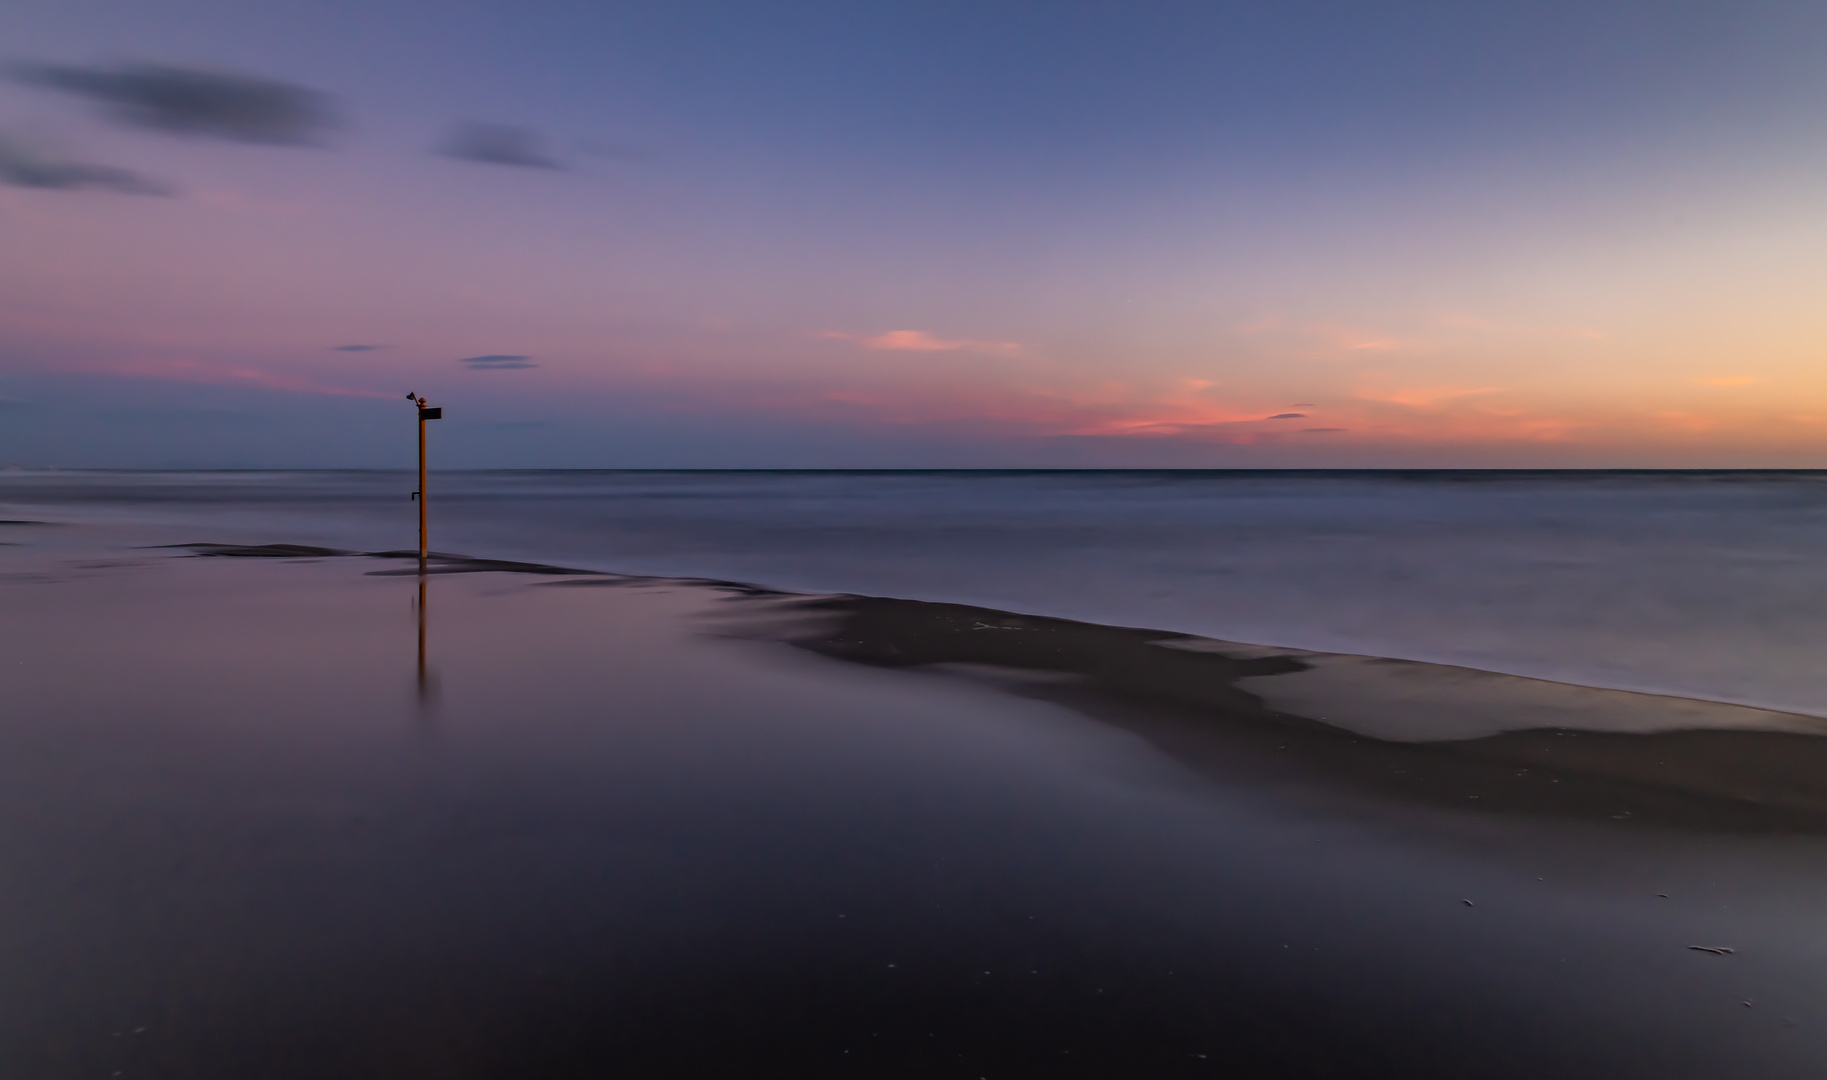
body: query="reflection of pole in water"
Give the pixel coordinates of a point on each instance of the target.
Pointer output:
(428, 679)
(428, 708)
(424, 689)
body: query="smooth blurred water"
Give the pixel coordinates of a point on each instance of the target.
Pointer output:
(293, 818)
(1706, 584)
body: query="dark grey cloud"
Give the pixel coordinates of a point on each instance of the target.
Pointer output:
(356, 348)
(195, 101)
(498, 362)
(25, 165)
(1320, 430)
(497, 144)
(1289, 416)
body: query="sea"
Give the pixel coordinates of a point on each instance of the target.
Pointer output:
(951, 794)
(1701, 584)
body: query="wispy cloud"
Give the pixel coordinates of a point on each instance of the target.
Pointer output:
(25, 165)
(194, 371)
(921, 341)
(1354, 342)
(1045, 401)
(1455, 423)
(498, 362)
(1462, 320)
(497, 144)
(1103, 408)
(356, 348)
(195, 101)
(1331, 338)
(1425, 397)
(1058, 403)
(1414, 334)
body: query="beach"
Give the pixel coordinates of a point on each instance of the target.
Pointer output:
(303, 811)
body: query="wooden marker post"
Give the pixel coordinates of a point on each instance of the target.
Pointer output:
(424, 415)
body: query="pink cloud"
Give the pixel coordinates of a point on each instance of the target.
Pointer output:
(1422, 334)
(1090, 408)
(1189, 411)
(1425, 397)
(921, 341)
(1036, 398)
(1324, 339)
(187, 370)
(1481, 325)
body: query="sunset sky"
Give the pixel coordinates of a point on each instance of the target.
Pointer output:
(858, 234)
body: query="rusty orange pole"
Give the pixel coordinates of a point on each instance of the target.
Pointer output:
(424, 415)
(424, 550)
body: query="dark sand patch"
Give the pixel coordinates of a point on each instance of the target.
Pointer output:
(260, 551)
(1699, 765)
(438, 562)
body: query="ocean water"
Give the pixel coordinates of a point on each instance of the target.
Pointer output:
(1701, 584)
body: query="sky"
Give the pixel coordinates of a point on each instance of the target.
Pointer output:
(682, 234)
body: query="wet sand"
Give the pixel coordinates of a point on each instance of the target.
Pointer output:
(1427, 732)
(645, 827)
